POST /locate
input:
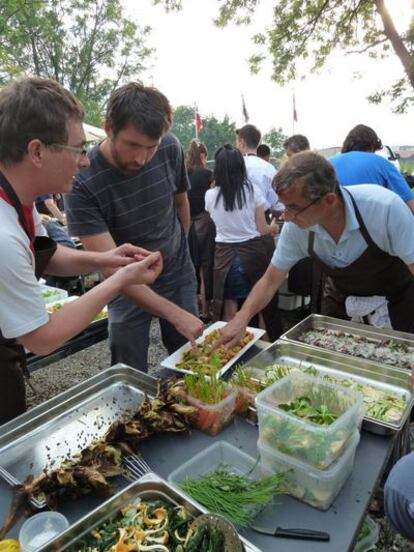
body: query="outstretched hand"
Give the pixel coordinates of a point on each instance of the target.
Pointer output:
(123, 255)
(230, 335)
(141, 270)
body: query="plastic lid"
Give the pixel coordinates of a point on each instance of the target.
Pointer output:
(40, 529)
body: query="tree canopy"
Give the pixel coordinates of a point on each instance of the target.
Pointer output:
(214, 133)
(311, 29)
(274, 139)
(86, 45)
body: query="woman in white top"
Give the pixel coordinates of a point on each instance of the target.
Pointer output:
(236, 208)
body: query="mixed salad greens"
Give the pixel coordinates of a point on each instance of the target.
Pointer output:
(202, 359)
(158, 526)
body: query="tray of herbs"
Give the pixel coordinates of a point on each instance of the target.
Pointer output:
(307, 418)
(214, 400)
(227, 481)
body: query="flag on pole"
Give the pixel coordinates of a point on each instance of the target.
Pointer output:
(295, 114)
(244, 109)
(198, 121)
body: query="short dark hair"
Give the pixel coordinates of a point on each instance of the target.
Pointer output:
(316, 173)
(361, 138)
(143, 107)
(296, 143)
(250, 134)
(34, 108)
(263, 150)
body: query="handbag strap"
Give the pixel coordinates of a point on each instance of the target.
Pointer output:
(15, 201)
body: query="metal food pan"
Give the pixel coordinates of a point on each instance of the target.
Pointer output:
(149, 488)
(55, 430)
(383, 377)
(318, 321)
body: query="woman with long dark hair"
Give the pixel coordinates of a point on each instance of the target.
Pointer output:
(241, 257)
(202, 229)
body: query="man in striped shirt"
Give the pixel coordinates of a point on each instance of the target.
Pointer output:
(135, 190)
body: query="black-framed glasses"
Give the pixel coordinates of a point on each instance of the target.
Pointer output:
(298, 211)
(81, 151)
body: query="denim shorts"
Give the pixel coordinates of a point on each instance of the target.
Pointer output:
(237, 285)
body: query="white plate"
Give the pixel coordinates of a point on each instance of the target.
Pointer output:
(172, 361)
(73, 298)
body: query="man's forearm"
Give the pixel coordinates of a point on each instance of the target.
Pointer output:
(151, 302)
(70, 262)
(260, 295)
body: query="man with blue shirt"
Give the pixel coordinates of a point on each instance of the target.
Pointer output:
(361, 237)
(358, 164)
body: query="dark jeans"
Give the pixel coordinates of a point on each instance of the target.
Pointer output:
(129, 340)
(399, 496)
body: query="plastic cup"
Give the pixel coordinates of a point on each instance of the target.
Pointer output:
(40, 529)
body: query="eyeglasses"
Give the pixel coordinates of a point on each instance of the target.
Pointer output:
(298, 211)
(81, 151)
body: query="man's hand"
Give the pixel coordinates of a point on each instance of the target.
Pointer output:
(140, 271)
(123, 255)
(231, 334)
(188, 325)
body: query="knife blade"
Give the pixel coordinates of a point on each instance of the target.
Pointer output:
(293, 533)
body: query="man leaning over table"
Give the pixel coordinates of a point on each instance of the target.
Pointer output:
(42, 146)
(135, 189)
(362, 238)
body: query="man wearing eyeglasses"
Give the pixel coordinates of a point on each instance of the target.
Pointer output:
(41, 150)
(362, 238)
(136, 190)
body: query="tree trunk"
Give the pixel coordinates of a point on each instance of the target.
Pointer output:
(396, 41)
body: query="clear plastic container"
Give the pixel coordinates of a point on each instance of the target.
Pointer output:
(317, 445)
(52, 294)
(40, 529)
(210, 458)
(244, 399)
(370, 540)
(213, 418)
(315, 487)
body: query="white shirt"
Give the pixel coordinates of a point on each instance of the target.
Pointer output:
(261, 174)
(238, 225)
(22, 308)
(387, 218)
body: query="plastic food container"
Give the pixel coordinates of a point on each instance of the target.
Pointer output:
(213, 418)
(371, 539)
(244, 399)
(52, 294)
(40, 529)
(284, 432)
(315, 487)
(210, 458)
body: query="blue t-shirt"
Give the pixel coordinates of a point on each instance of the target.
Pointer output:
(362, 167)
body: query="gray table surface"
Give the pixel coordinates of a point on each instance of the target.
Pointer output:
(342, 520)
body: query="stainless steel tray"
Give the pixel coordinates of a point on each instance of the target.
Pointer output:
(317, 321)
(149, 487)
(53, 431)
(342, 366)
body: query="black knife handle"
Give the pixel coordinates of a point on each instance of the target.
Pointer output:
(305, 534)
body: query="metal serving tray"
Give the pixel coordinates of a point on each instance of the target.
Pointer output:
(55, 430)
(317, 321)
(343, 367)
(150, 487)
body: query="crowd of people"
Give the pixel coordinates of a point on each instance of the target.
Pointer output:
(179, 242)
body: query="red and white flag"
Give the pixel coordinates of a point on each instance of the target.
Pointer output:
(198, 121)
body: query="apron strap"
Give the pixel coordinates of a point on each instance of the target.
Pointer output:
(7, 187)
(311, 241)
(362, 227)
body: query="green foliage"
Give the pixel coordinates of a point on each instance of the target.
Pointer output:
(214, 134)
(309, 30)
(274, 139)
(87, 45)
